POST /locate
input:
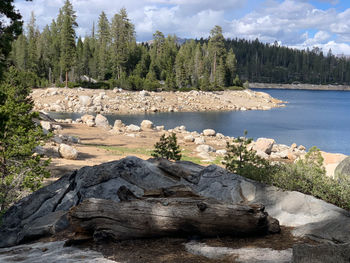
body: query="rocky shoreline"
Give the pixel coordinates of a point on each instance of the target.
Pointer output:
(208, 145)
(118, 101)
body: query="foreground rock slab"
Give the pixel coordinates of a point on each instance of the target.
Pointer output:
(48, 206)
(50, 252)
(325, 253)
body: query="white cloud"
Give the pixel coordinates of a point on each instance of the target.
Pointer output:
(288, 21)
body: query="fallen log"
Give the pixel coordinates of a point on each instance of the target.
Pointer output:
(156, 217)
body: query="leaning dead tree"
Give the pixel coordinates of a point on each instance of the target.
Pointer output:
(156, 217)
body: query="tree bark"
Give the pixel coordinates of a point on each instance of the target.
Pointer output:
(156, 217)
(66, 79)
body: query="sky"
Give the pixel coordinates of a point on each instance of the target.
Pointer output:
(294, 23)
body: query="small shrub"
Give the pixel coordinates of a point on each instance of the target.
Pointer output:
(245, 162)
(168, 148)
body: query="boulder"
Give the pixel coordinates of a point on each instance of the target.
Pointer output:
(46, 125)
(205, 148)
(189, 138)
(220, 136)
(160, 128)
(279, 148)
(85, 101)
(263, 144)
(209, 132)
(67, 152)
(144, 93)
(302, 148)
(89, 120)
(118, 124)
(199, 140)
(262, 154)
(154, 109)
(147, 125)
(280, 155)
(343, 169)
(133, 128)
(57, 127)
(331, 161)
(47, 150)
(221, 152)
(101, 121)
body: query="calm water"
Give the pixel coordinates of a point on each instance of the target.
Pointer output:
(320, 118)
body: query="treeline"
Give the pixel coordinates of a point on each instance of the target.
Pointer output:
(112, 56)
(266, 63)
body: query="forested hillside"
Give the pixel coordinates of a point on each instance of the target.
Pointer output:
(112, 56)
(259, 62)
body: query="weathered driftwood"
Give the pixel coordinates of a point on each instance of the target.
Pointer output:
(156, 217)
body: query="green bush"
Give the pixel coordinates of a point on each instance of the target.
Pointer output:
(306, 175)
(309, 177)
(151, 85)
(136, 83)
(167, 148)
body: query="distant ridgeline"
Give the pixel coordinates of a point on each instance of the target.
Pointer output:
(110, 57)
(259, 62)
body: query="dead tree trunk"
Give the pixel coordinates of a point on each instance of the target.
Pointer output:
(156, 217)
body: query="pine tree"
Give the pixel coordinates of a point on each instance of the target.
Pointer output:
(8, 31)
(123, 35)
(20, 170)
(103, 46)
(168, 148)
(44, 54)
(67, 21)
(33, 36)
(216, 51)
(20, 53)
(79, 65)
(231, 66)
(55, 51)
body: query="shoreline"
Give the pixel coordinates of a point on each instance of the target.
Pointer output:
(118, 101)
(97, 142)
(299, 87)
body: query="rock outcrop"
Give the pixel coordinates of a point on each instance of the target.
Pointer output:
(45, 211)
(121, 101)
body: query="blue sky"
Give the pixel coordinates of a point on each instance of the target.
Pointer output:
(294, 23)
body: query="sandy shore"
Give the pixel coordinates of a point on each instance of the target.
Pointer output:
(97, 145)
(127, 102)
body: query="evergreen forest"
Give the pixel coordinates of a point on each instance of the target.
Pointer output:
(110, 57)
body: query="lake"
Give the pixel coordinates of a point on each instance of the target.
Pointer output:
(320, 118)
